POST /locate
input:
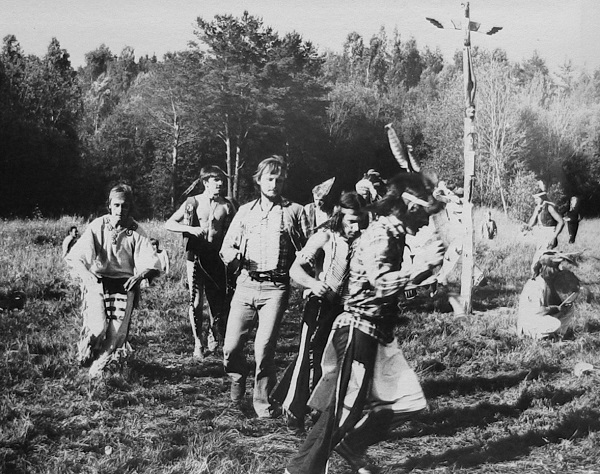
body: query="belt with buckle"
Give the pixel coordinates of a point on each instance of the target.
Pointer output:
(271, 276)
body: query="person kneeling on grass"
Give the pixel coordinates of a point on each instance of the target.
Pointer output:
(367, 387)
(546, 303)
(112, 257)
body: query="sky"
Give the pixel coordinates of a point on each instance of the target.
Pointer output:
(558, 30)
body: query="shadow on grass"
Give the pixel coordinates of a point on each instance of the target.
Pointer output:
(464, 385)
(210, 367)
(492, 296)
(577, 424)
(448, 421)
(592, 326)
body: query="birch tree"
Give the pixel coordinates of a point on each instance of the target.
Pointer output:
(167, 95)
(501, 138)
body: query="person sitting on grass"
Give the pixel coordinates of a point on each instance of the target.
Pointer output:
(69, 241)
(546, 302)
(112, 257)
(165, 265)
(163, 256)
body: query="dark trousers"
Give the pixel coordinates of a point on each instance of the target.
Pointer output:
(209, 278)
(572, 227)
(303, 373)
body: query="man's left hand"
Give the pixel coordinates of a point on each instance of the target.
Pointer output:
(133, 281)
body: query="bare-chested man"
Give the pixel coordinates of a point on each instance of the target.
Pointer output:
(203, 220)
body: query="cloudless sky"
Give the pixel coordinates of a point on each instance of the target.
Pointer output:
(557, 30)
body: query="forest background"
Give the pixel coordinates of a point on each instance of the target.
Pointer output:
(242, 91)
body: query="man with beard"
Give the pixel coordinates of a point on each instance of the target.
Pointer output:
(262, 241)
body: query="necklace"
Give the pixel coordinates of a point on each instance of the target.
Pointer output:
(115, 232)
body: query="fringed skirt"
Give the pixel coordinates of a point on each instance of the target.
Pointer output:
(106, 310)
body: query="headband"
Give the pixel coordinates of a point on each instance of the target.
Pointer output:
(347, 210)
(414, 199)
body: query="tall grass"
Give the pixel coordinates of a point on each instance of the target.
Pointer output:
(497, 402)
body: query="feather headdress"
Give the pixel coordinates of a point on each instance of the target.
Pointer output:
(402, 152)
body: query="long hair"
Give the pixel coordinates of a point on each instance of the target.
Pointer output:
(348, 200)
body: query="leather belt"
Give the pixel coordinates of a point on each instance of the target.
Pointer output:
(271, 276)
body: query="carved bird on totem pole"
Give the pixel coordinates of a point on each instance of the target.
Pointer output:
(473, 26)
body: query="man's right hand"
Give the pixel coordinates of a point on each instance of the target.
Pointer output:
(319, 288)
(229, 255)
(196, 231)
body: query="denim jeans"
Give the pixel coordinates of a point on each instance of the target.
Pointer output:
(252, 301)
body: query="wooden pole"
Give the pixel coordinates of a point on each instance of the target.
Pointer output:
(470, 145)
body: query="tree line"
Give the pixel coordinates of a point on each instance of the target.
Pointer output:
(242, 91)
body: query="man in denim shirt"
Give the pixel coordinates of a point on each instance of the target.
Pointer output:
(263, 239)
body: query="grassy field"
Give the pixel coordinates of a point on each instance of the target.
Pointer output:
(497, 403)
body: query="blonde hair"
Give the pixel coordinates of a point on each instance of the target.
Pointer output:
(123, 189)
(274, 164)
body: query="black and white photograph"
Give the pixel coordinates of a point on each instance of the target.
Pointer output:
(316, 237)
